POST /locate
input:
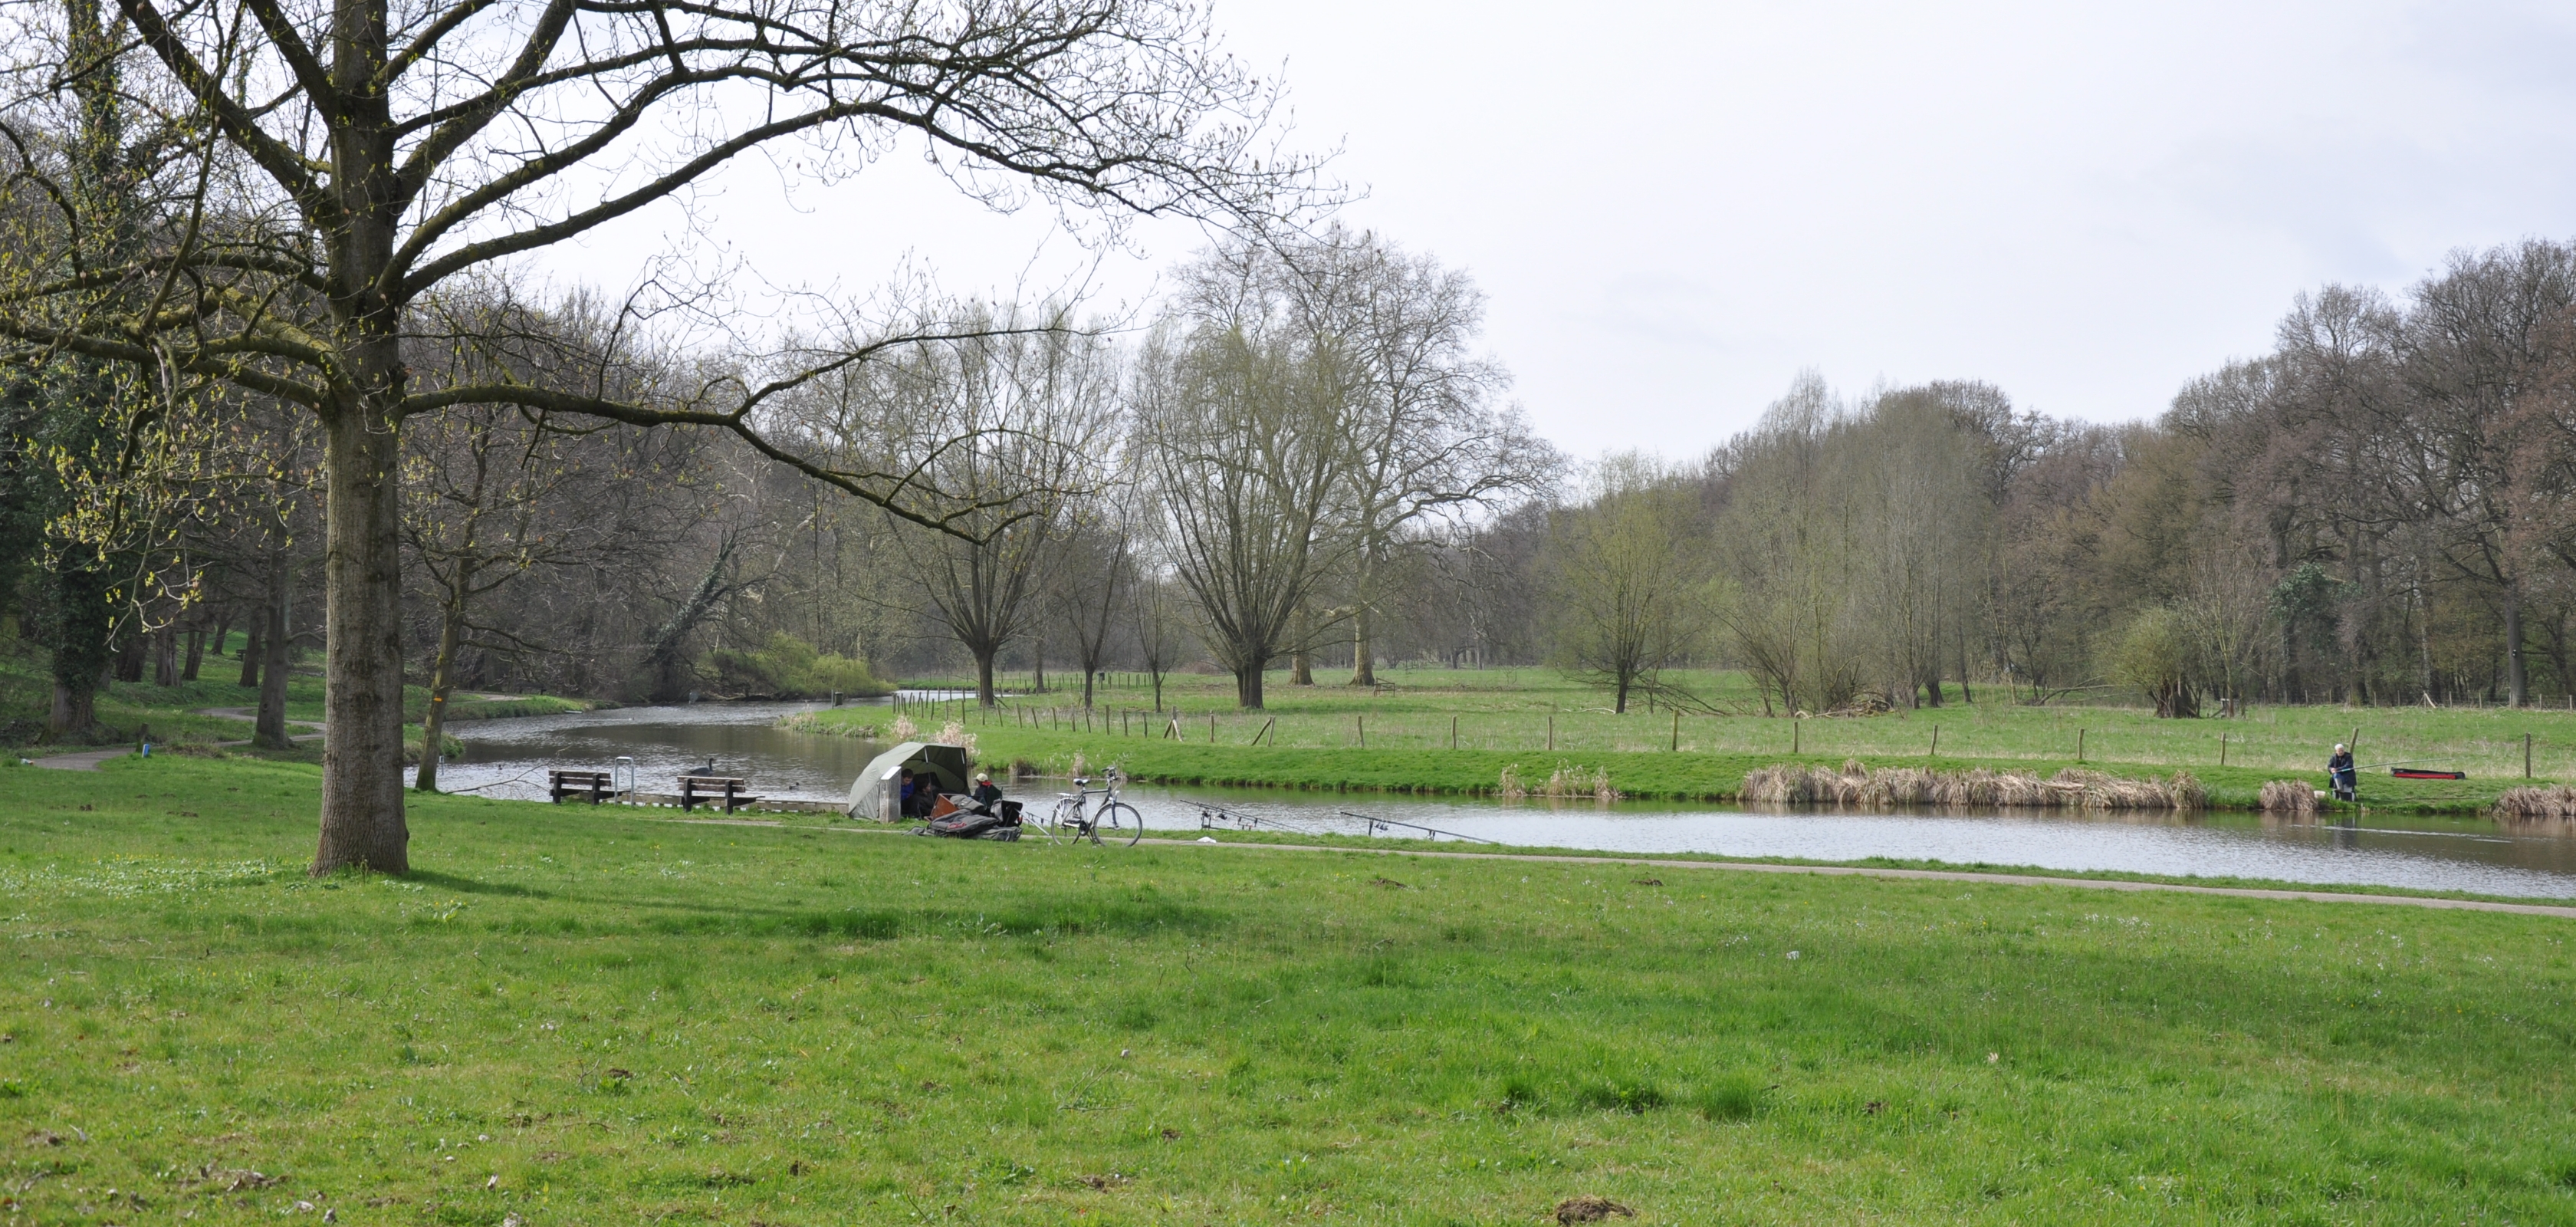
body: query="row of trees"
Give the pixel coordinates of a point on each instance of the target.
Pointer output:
(2380, 510)
(283, 202)
(1246, 480)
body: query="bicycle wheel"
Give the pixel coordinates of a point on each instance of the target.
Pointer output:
(1067, 813)
(1124, 823)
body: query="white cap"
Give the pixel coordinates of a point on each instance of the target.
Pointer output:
(2338, 747)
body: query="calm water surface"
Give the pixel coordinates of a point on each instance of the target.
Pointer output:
(510, 758)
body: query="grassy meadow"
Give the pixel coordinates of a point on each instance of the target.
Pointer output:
(569, 1015)
(1399, 736)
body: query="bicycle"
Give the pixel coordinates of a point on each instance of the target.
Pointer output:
(1074, 812)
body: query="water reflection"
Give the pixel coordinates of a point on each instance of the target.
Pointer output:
(510, 758)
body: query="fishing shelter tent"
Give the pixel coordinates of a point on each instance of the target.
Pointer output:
(878, 793)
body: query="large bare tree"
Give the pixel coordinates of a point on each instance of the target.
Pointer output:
(1428, 442)
(361, 157)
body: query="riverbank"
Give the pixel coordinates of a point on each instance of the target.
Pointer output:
(1167, 1033)
(1639, 775)
(212, 709)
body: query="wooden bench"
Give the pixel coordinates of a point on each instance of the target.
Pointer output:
(596, 785)
(714, 788)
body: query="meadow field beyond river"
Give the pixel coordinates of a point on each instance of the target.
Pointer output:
(1455, 731)
(575, 1015)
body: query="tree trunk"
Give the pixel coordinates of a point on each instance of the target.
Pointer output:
(165, 656)
(196, 653)
(268, 729)
(362, 785)
(1247, 686)
(1037, 672)
(442, 681)
(1619, 706)
(1301, 665)
(984, 678)
(84, 626)
(1157, 671)
(254, 650)
(1363, 648)
(2516, 682)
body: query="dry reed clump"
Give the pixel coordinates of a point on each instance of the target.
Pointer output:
(2296, 797)
(2554, 801)
(1510, 787)
(1571, 783)
(954, 733)
(903, 729)
(1856, 784)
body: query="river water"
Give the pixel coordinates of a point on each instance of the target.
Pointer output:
(509, 758)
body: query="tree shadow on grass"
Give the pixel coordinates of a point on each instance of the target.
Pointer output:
(469, 886)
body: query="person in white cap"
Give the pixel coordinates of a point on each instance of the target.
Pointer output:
(986, 792)
(2340, 770)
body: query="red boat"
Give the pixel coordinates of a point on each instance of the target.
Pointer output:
(2419, 773)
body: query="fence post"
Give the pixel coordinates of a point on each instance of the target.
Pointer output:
(2079, 745)
(1936, 741)
(1796, 726)
(1362, 723)
(1551, 732)
(2526, 756)
(1453, 732)
(1677, 730)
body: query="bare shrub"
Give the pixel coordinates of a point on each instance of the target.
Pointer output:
(2531, 804)
(2295, 797)
(954, 733)
(1856, 784)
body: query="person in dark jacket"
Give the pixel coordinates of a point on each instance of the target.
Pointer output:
(986, 792)
(2340, 770)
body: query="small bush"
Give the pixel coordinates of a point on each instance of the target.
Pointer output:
(789, 668)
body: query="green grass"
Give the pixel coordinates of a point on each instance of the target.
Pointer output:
(1399, 736)
(573, 1016)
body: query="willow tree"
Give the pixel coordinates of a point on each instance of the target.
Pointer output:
(358, 158)
(1243, 428)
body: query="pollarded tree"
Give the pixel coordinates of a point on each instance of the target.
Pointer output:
(1624, 587)
(1016, 419)
(1242, 423)
(361, 158)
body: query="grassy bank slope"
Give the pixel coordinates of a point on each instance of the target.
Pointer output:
(1643, 775)
(571, 1016)
(171, 712)
(1398, 736)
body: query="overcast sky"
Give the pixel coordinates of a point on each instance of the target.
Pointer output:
(1676, 207)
